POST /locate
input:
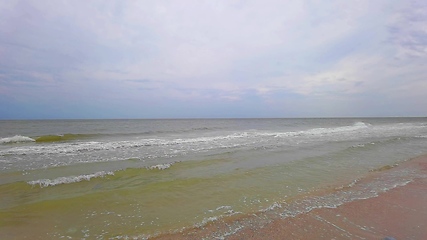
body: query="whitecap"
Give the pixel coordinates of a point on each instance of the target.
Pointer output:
(70, 179)
(16, 139)
(160, 166)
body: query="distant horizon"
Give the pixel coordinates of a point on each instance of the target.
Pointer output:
(220, 59)
(207, 118)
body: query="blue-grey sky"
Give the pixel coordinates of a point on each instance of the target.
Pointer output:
(225, 58)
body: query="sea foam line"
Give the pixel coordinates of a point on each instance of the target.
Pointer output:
(160, 166)
(16, 139)
(70, 179)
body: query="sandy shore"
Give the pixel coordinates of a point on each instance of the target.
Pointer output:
(400, 213)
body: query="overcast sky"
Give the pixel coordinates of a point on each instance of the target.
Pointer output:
(230, 58)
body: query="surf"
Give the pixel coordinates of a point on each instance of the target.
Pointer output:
(16, 139)
(62, 137)
(70, 179)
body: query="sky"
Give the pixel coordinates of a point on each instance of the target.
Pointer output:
(212, 59)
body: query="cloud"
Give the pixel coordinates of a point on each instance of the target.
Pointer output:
(277, 56)
(408, 31)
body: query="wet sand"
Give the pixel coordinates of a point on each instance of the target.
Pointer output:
(400, 213)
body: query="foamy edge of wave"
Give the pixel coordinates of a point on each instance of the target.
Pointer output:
(16, 139)
(70, 179)
(163, 166)
(283, 210)
(181, 146)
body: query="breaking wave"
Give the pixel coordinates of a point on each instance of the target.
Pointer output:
(62, 137)
(172, 146)
(45, 138)
(70, 179)
(355, 126)
(16, 139)
(160, 166)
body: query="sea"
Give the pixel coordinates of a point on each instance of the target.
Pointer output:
(142, 178)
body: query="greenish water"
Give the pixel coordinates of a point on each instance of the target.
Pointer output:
(125, 178)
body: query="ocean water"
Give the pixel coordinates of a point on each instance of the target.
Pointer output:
(100, 179)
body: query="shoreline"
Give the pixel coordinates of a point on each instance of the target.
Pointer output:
(396, 213)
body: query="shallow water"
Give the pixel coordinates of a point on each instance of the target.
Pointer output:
(118, 178)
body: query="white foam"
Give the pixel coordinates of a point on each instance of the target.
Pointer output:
(322, 131)
(355, 191)
(223, 207)
(206, 221)
(160, 166)
(275, 205)
(16, 139)
(231, 232)
(43, 155)
(70, 179)
(175, 146)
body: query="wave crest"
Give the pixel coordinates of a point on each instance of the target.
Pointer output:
(70, 179)
(160, 166)
(16, 139)
(323, 131)
(62, 137)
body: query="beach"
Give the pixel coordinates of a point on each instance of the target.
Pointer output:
(399, 213)
(212, 178)
(213, 120)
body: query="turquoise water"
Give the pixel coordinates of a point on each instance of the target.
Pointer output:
(126, 178)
